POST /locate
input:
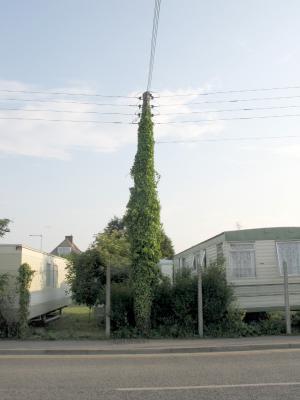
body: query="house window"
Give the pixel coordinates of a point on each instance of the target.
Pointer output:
(64, 251)
(242, 260)
(183, 262)
(290, 253)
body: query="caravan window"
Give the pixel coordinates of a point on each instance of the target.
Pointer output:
(51, 275)
(242, 260)
(289, 252)
(55, 276)
(48, 275)
(220, 254)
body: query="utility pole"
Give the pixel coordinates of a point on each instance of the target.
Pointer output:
(108, 299)
(200, 300)
(147, 96)
(286, 299)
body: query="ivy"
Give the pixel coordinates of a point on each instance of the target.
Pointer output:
(24, 281)
(143, 222)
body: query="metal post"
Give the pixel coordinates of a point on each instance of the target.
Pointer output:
(107, 302)
(200, 301)
(286, 299)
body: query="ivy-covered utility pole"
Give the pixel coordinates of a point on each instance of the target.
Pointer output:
(143, 220)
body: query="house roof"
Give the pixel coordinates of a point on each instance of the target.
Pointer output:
(244, 235)
(67, 242)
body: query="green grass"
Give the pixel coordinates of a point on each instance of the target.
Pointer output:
(76, 322)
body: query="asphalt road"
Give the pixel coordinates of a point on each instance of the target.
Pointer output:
(251, 375)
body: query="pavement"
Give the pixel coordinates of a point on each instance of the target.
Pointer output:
(137, 346)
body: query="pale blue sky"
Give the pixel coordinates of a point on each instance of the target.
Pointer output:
(65, 179)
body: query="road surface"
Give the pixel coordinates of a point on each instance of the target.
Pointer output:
(269, 374)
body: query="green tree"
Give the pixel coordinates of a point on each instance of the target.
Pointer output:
(86, 277)
(118, 224)
(113, 246)
(166, 246)
(143, 221)
(4, 226)
(115, 224)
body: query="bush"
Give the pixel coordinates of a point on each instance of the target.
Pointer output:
(8, 306)
(14, 302)
(217, 294)
(175, 309)
(122, 314)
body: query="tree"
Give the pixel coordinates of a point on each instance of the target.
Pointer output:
(113, 246)
(166, 246)
(86, 277)
(118, 224)
(4, 226)
(115, 224)
(143, 221)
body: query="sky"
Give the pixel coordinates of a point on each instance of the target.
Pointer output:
(63, 178)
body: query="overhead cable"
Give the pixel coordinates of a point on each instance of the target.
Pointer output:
(67, 120)
(153, 41)
(65, 111)
(237, 139)
(67, 102)
(228, 119)
(226, 92)
(229, 101)
(67, 93)
(231, 110)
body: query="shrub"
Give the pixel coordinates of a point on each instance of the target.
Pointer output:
(24, 281)
(122, 313)
(175, 308)
(14, 302)
(217, 294)
(8, 306)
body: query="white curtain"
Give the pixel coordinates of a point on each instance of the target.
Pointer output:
(242, 260)
(289, 252)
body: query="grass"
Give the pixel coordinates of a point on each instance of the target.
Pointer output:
(76, 322)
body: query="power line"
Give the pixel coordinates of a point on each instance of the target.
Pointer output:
(237, 139)
(229, 101)
(68, 102)
(153, 41)
(228, 119)
(66, 111)
(228, 92)
(68, 120)
(231, 110)
(157, 123)
(67, 93)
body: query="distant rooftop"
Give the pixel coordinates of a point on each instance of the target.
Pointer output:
(67, 246)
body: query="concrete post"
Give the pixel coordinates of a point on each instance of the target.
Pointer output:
(286, 299)
(107, 300)
(200, 300)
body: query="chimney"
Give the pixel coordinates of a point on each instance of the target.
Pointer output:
(70, 238)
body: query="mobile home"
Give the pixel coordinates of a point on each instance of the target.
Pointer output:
(254, 264)
(48, 290)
